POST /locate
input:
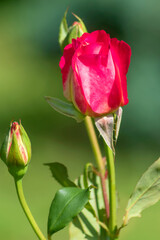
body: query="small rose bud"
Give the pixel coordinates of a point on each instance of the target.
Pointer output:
(80, 29)
(66, 34)
(16, 150)
(80, 25)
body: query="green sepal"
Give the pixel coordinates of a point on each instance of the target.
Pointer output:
(3, 151)
(65, 108)
(67, 203)
(73, 32)
(84, 29)
(26, 141)
(17, 172)
(63, 30)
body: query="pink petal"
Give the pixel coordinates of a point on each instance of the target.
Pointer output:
(97, 80)
(94, 48)
(94, 39)
(78, 97)
(96, 36)
(121, 53)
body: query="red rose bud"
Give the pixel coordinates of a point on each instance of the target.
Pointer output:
(94, 69)
(16, 150)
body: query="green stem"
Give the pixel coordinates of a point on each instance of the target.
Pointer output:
(112, 190)
(49, 237)
(99, 159)
(94, 144)
(105, 197)
(19, 189)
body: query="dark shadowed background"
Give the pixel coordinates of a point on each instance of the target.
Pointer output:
(29, 58)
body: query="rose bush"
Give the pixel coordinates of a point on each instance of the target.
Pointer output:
(94, 69)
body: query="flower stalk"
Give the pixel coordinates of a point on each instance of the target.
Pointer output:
(19, 189)
(94, 144)
(112, 190)
(99, 160)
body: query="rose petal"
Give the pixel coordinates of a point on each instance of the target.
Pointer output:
(94, 39)
(66, 70)
(97, 80)
(94, 48)
(121, 53)
(78, 97)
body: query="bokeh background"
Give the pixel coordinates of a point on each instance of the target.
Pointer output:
(29, 58)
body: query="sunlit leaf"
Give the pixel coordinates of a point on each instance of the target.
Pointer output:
(67, 203)
(146, 193)
(60, 173)
(86, 225)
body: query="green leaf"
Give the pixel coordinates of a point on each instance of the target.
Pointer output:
(81, 235)
(83, 227)
(65, 108)
(67, 203)
(63, 30)
(86, 225)
(76, 224)
(60, 173)
(146, 193)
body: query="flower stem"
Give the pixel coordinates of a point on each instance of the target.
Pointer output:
(99, 159)
(105, 197)
(112, 189)
(19, 189)
(49, 237)
(94, 144)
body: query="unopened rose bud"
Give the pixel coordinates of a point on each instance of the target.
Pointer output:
(80, 23)
(75, 31)
(79, 29)
(16, 150)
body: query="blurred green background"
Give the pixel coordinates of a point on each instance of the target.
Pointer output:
(29, 58)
